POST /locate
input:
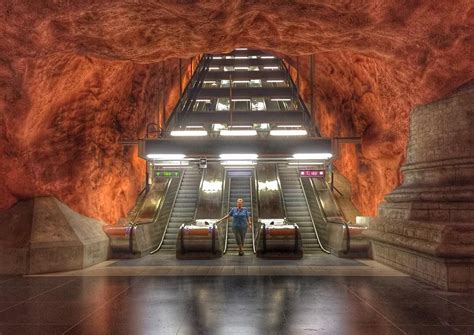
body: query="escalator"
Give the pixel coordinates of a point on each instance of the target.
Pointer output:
(297, 210)
(239, 187)
(184, 207)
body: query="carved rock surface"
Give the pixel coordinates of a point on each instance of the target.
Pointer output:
(77, 77)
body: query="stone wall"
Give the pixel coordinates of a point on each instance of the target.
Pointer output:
(425, 227)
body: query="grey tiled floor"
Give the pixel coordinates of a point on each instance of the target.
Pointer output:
(230, 305)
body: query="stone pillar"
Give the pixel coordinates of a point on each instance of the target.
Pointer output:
(425, 227)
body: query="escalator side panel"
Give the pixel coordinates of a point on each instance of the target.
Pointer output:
(210, 194)
(270, 201)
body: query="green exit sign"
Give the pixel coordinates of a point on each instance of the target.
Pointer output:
(167, 174)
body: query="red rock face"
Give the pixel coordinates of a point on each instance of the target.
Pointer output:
(77, 78)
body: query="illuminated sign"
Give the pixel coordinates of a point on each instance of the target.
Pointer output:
(313, 173)
(167, 174)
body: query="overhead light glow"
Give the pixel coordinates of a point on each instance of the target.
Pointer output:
(267, 57)
(211, 68)
(188, 133)
(240, 81)
(194, 127)
(238, 163)
(242, 126)
(165, 156)
(269, 185)
(270, 67)
(238, 156)
(289, 126)
(212, 186)
(312, 156)
(171, 163)
(241, 57)
(240, 99)
(275, 81)
(241, 67)
(204, 100)
(281, 99)
(288, 132)
(227, 132)
(217, 57)
(240, 48)
(305, 163)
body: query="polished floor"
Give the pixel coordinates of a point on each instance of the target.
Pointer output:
(157, 295)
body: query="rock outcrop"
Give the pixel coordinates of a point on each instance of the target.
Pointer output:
(77, 77)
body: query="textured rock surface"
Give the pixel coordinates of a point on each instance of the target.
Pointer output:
(77, 77)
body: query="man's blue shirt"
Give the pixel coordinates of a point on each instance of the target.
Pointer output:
(239, 217)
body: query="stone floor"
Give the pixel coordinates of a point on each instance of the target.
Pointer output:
(320, 294)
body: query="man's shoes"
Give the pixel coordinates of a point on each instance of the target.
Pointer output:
(241, 253)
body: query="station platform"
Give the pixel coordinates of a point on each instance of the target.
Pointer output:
(157, 294)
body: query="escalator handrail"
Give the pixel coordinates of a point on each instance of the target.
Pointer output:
(251, 204)
(133, 225)
(227, 221)
(169, 216)
(326, 221)
(312, 219)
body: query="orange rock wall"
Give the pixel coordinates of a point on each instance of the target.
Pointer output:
(76, 77)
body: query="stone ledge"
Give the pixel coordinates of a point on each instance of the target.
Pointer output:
(43, 235)
(450, 240)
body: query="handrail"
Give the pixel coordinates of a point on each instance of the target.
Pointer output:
(312, 219)
(301, 101)
(227, 221)
(182, 105)
(169, 215)
(326, 221)
(133, 225)
(252, 228)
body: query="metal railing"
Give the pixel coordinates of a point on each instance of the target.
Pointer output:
(252, 228)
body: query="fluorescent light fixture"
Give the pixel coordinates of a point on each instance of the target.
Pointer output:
(165, 156)
(240, 99)
(241, 68)
(227, 132)
(217, 57)
(288, 132)
(289, 126)
(211, 68)
(238, 163)
(312, 156)
(238, 156)
(275, 81)
(240, 81)
(267, 57)
(240, 48)
(281, 99)
(204, 100)
(305, 163)
(194, 127)
(241, 57)
(270, 67)
(209, 82)
(188, 133)
(171, 163)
